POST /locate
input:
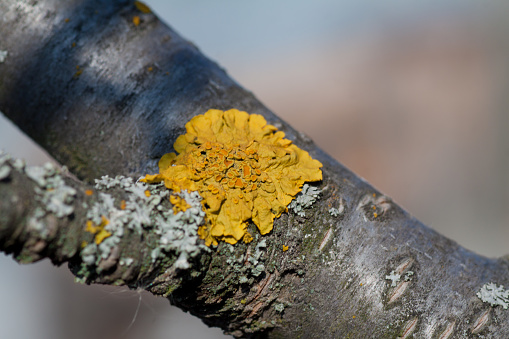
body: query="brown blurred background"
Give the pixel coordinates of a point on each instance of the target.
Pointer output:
(410, 96)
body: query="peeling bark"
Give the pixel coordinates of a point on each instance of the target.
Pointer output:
(105, 96)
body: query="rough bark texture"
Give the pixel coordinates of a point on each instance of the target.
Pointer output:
(104, 96)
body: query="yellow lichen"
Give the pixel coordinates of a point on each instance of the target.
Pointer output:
(242, 167)
(136, 20)
(142, 7)
(285, 248)
(99, 231)
(78, 71)
(179, 204)
(247, 238)
(99, 237)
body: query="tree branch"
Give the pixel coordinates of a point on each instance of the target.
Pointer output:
(106, 96)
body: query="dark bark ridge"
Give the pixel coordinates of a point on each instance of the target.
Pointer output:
(105, 96)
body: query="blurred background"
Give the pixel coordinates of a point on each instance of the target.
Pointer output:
(410, 95)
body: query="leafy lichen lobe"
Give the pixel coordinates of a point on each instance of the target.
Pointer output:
(243, 168)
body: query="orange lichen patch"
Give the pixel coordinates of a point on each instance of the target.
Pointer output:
(78, 71)
(285, 248)
(179, 204)
(99, 231)
(247, 238)
(67, 20)
(122, 205)
(89, 192)
(255, 171)
(136, 20)
(150, 69)
(147, 193)
(142, 7)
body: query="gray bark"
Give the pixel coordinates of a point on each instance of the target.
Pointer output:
(104, 96)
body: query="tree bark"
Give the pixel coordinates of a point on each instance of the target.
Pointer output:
(105, 96)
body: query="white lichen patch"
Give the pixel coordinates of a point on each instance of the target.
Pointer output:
(179, 232)
(334, 212)
(394, 277)
(19, 164)
(119, 181)
(305, 199)
(5, 169)
(4, 157)
(126, 261)
(143, 212)
(494, 295)
(279, 307)
(36, 225)
(253, 258)
(51, 190)
(249, 265)
(3, 55)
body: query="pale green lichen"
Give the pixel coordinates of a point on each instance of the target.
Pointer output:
(280, 307)
(254, 266)
(334, 211)
(126, 262)
(36, 225)
(142, 212)
(180, 231)
(494, 295)
(3, 56)
(119, 181)
(19, 164)
(5, 169)
(253, 259)
(51, 190)
(305, 199)
(394, 277)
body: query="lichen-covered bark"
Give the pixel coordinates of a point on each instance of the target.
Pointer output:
(105, 96)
